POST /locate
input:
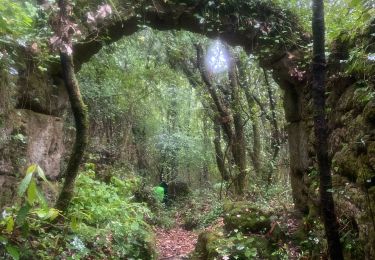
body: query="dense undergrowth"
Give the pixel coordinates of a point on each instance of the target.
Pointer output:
(113, 220)
(104, 221)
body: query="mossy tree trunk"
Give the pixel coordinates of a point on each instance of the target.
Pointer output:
(239, 142)
(321, 133)
(255, 152)
(276, 139)
(78, 108)
(219, 155)
(229, 116)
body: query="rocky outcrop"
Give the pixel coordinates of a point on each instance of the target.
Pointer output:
(31, 129)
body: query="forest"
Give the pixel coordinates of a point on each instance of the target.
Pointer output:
(187, 129)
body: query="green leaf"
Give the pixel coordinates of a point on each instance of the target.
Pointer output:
(41, 174)
(49, 213)
(24, 184)
(10, 225)
(32, 192)
(53, 213)
(74, 224)
(31, 169)
(41, 213)
(22, 214)
(42, 200)
(26, 181)
(13, 252)
(43, 177)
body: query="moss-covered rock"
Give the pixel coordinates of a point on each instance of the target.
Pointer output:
(346, 163)
(204, 248)
(215, 245)
(245, 218)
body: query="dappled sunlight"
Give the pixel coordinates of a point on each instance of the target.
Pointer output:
(217, 58)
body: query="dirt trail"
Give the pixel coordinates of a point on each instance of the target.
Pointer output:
(175, 243)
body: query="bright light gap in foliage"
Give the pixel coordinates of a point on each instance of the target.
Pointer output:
(217, 58)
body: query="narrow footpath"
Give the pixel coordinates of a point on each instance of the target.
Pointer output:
(175, 243)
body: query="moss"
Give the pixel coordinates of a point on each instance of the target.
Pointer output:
(245, 218)
(148, 250)
(369, 112)
(204, 248)
(213, 245)
(346, 163)
(371, 154)
(345, 103)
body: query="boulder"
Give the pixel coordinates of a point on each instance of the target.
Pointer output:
(245, 218)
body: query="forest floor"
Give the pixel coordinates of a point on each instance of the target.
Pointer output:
(175, 243)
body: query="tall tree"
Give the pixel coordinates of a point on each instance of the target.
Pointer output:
(321, 132)
(229, 115)
(239, 141)
(64, 31)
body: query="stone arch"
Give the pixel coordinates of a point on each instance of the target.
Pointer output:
(256, 26)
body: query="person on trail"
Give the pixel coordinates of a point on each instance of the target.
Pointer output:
(161, 192)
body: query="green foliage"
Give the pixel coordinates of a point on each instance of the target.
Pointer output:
(16, 17)
(103, 221)
(107, 216)
(27, 218)
(240, 246)
(201, 209)
(133, 85)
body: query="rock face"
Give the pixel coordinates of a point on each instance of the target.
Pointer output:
(30, 129)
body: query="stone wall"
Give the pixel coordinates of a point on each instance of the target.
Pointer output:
(351, 122)
(31, 124)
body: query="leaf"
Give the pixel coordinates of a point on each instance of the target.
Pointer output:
(32, 192)
(41, 173)
(24, 184)
(26, 181)
(10, 225)
(49, 213)
(74, 224)
(53, 213)
(22, 214)
(43, 177)
(41, 213)
(31, 169)
(13, 252)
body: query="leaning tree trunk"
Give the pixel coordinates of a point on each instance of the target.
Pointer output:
(78, 108)
(321, 133)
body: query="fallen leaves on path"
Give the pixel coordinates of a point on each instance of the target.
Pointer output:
(175, 243)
